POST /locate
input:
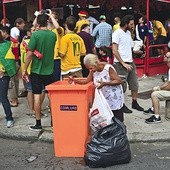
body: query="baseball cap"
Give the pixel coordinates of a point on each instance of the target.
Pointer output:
(102, 17)
(82, 13)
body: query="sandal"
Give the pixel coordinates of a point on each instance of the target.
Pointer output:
(23, 94)
(13, 105)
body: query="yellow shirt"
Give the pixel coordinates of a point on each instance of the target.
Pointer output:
(156, 26)
(80, 23)
(57, 44)
(23, 52)
(116, 26)
(71, 46)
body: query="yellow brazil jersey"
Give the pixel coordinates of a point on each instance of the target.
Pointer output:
(80, 23)
(23, 51)
(71, 46)
(156, 26)
(57, 44)
(116, 26)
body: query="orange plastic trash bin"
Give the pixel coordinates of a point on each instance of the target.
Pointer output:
(70, 108)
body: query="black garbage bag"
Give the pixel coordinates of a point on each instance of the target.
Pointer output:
(108, 146)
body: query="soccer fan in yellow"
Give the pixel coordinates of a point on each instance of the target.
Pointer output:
(82, 20)
(59, 31)
(71, 49)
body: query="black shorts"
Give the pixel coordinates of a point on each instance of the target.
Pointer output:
(40, 81)
(161, 40)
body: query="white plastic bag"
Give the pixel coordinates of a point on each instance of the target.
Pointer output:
(100, 113)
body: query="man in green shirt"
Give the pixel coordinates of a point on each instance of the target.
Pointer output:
(41, 53)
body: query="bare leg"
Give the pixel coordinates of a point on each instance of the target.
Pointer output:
(42, 97)
(37, 106)
(135, 104)
(155, 104)
(134, 94)
(30, 98)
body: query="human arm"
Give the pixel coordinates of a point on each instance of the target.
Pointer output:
(94, 50)
(54, 21)
(62, 48)
(35, 22)
(82, 81)
(165, 86)
(27, 62)
(146, 34)
(118, 57)
(114, 79)
(93, 20)
(61, 55)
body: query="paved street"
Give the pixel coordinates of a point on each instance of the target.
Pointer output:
(15, 155)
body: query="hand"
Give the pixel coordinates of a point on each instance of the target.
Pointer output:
(101, 84)
(1, 74)
(127, 66)
(71, 80)
(157, 88)
(167, 54)
(25, 76)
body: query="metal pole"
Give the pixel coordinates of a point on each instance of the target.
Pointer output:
(40, 5)
(147, 43)
(4, 12)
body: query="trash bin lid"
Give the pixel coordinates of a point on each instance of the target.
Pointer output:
(64, 85)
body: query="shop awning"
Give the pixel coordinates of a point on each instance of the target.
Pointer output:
(8, 1)
(167, 1)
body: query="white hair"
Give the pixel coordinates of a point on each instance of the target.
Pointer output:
(91, 59)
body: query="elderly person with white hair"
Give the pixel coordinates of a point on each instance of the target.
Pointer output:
(160, 93)
(105, 78)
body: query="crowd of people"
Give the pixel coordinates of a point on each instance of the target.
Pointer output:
(45, 52)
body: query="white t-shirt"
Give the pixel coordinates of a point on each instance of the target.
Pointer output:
(15, 32)
(125, 44)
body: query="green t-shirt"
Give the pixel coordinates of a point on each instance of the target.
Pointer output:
(44, 42)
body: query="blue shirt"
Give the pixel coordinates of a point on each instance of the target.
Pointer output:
(103, 34)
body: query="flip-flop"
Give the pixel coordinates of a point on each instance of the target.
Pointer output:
(13, 105)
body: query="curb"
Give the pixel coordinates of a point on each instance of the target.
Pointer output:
(149, 137)
(47, 136)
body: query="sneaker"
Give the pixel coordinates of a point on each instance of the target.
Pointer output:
(35, 128)
(149, 111)
(126, 109)
(153, 119)
(10, 123)
(136, 106)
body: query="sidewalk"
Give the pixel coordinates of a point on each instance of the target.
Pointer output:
(137, 129)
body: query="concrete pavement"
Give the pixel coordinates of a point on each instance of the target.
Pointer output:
(137, 129)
